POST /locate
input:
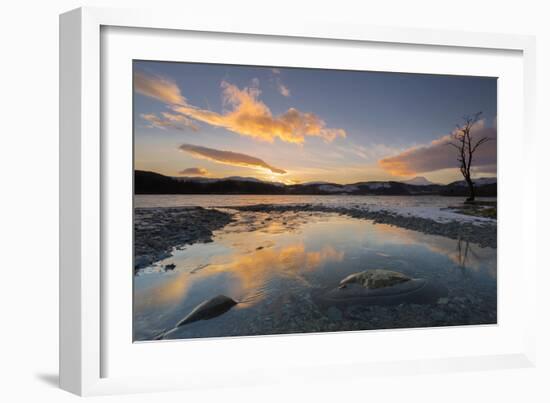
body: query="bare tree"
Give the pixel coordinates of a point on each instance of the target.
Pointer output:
(462, 140)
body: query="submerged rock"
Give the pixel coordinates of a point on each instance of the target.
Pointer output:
(169, 267)
(381, 287)
(209, 309)
(373, 279)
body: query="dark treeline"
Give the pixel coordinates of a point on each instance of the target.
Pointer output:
(154, 183)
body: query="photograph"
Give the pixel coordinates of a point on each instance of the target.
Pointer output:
(272, 200)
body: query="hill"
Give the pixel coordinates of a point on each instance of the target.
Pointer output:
(146, 182)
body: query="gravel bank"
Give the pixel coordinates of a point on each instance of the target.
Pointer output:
(158, 230)
(482, 234)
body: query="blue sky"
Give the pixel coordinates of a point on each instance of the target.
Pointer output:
(311, 124)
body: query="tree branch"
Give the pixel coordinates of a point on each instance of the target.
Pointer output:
(481, 141)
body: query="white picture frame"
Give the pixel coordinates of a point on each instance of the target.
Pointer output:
(85, 186)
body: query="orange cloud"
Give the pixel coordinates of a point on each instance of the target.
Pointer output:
(157, 87)
(251, 117)
(247, 115)
(194, 171)
(440, 155)
(229, 158)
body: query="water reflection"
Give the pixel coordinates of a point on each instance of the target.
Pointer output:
(267, 260)
(463, 248)
(246, 275)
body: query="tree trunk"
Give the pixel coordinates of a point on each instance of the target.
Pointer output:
(472, 196)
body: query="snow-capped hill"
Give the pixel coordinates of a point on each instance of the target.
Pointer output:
(419, 181)
(154, 183)
(338, 188)
(378, 185)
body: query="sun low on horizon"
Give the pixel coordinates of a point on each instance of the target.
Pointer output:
(294, 125)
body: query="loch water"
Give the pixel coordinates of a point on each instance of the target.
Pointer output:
(277, 265)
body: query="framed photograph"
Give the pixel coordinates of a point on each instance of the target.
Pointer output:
(255, 195)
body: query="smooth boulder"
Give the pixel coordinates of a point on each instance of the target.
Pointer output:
(373, 279)
(381, 287)
(209, 309)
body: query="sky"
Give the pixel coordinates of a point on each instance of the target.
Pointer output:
(296, 125)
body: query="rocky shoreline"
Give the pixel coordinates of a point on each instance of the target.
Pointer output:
(158, 230)
(299, 313)
(483, 234)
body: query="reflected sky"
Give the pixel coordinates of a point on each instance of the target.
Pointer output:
(261, 260)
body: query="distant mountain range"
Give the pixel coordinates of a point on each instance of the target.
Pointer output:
(153, 183)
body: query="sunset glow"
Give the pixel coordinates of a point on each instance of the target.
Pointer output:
(300, 125)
